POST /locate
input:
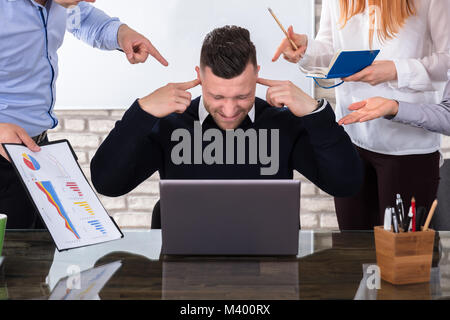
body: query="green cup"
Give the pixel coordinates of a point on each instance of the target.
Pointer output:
(2, 231)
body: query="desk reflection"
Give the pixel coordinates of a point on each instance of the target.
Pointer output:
(328, 266)
(230, 279)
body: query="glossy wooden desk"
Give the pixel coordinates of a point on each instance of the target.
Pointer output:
(329, 266)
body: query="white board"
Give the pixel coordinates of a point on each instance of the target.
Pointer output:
(90, 78)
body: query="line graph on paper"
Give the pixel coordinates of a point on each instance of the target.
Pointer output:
(47, 188)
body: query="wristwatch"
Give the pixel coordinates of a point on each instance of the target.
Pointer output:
(320, 103)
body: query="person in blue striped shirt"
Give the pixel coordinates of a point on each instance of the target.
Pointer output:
(30, 34)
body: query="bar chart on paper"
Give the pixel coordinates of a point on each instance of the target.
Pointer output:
(66, 202)
(75, 188)
(86, 207)
(97, 225)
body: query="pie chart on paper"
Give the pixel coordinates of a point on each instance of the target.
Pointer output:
(30, 162)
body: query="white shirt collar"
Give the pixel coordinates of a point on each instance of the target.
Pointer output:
(203, 113)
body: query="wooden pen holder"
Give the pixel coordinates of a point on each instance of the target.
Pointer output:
(404, 258)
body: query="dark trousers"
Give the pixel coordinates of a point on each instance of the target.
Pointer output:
(14, 201)
(385, 176)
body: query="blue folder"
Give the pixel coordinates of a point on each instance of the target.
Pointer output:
(346, 63)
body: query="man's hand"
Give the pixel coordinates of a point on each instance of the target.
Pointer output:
(70, 3)
(137, 47)
(285, 93)
(10, 133)
(370, 109)
(285, 48)
(169, 99)
(378, 72)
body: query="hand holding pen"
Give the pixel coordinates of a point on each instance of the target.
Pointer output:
(293, 46)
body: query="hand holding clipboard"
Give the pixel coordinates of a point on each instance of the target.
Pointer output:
(347, 65)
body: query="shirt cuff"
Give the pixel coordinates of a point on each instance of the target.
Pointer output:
(324, 104)
(307, 56)
(402, 114)
(320, 124)
(403, 74)
(113, 30)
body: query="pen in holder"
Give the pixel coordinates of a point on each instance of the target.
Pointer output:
(404, 258)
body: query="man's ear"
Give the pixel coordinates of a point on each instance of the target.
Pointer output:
(258, 69)
(199, 77)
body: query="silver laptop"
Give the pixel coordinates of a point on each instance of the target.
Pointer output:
(230, 217)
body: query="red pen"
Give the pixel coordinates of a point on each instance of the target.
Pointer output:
(413, 207)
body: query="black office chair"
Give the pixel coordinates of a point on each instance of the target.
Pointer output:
(441, 218)
(156, 217)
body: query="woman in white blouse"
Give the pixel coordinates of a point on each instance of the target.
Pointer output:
(414, 39)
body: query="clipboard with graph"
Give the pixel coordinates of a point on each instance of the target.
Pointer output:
(62, 195)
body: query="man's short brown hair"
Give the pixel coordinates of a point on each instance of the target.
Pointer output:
(228, 51)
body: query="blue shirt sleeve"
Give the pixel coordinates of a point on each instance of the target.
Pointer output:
(94, 27)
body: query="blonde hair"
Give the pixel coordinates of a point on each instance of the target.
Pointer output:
(390, 15)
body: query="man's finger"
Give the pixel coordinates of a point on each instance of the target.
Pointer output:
(3, 153)
(188, 85)
(357, 105)
(128, 50)
(141, 57)
(279, 101)
(183, 94)
(130, 55)
(269, 83)
(155, 53)
(182, 100)
(278, 93)
(180, 108)
(131, 58)
(27, 141)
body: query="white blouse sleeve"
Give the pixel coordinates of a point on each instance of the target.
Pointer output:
(320, 51)
(419, 74)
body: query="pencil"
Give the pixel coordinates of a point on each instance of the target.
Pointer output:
(430, 215)
(282, 28)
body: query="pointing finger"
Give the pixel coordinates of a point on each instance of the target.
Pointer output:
(269, 83)
(188, 85)
(155, 53)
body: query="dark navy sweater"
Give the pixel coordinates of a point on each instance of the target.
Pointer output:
(314, 145)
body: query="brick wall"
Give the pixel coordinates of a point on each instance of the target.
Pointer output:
(87, 129)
